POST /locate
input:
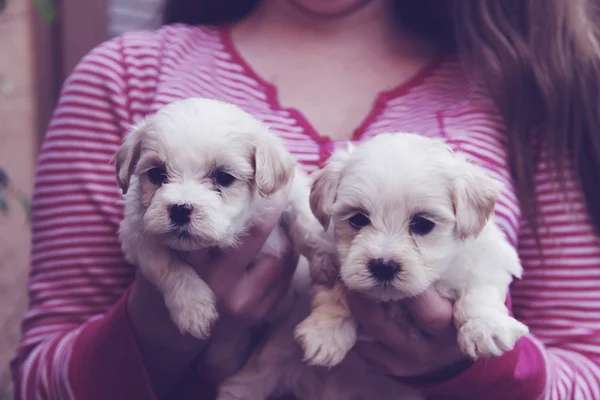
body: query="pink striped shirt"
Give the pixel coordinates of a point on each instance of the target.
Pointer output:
(77, 341)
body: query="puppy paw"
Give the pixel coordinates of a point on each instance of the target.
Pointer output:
(193, 313)
(490, 336)
(324, 267)
(325, 339)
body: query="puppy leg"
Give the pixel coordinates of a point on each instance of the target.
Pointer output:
(484, 325)
(308, 235)
(330, 331)
(275, 367)
(188, 298)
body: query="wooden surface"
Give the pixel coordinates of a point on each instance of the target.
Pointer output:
(18, 145)
(35, 58)
(47, 68)
(83, 25)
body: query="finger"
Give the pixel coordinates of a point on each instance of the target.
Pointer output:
(213, 264)
(257, 282)
(373, 317)
(229, 266)
(197, 259)
(275, 297)
(286, 266)
(380, 358)
(440, 360)
(432, 313)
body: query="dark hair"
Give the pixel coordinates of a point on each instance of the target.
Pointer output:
(206, 12)
(539, 58)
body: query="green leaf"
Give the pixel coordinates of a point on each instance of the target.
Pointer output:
(3, 204)
(26, 203)
(4, 180)
(46, 10)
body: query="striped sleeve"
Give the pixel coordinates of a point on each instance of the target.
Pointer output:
(78, 272)
(557, 298)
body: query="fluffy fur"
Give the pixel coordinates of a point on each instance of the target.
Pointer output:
(197, 174)
(277, 369)
(407, 213)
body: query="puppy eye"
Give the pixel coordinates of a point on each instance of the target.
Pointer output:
(223, 178)
(420, 225)
(157, 175)
(359, 220)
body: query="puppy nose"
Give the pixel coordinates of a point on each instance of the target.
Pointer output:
(382, 270)
(180, 213)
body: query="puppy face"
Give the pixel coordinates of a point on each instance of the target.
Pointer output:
(401, 205)
(200, 169)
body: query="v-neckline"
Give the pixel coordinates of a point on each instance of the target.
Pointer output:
(378, 106)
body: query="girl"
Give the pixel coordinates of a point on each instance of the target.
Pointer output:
(514, 83)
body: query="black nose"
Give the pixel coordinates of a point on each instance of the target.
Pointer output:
(180, 214)
(384, 271)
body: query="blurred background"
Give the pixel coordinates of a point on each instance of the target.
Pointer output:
(40, 43)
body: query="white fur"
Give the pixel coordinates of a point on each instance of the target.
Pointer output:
(278, 366)
(193, 139)
(391, 179)
(277, 369)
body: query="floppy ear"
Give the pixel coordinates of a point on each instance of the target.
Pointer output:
(474, 197)
(274, 166)
(324, 186)
(128, 155)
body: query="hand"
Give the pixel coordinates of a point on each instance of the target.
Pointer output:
(427, 350)
(245, 291)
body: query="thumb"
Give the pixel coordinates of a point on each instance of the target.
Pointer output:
(432, 313)
(230, 265)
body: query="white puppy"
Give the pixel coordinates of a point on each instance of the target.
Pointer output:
(276, 368)
(197, 174)
(407, 213)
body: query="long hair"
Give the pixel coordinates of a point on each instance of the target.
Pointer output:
(539, 58)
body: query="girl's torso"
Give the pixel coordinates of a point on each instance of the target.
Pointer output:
(437, 101)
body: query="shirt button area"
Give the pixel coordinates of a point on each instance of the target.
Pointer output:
(323, 139)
